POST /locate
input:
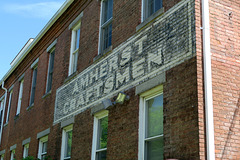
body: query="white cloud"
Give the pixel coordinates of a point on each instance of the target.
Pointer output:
(43, 10)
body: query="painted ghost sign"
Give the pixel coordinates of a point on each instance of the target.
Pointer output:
(166, 43)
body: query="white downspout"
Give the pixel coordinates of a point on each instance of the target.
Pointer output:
(5, 100)
(208, 81)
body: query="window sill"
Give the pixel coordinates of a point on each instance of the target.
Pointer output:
(70, 77)
(150, 19)
(103, 54)
(30, 107)
(46, 94)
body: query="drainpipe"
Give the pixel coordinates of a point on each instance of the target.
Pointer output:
(4, 106)
(208, 81)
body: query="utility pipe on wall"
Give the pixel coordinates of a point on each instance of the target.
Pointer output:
(208, 81)
(4, 106)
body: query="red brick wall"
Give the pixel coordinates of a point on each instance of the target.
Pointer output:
(181, 112)
(225, 49)
(123, 119)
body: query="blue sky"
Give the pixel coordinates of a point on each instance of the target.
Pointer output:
(19, 21)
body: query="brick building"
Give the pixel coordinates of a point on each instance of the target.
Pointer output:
(125, 80)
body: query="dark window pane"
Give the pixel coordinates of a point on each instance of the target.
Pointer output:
(158, 5)
(110, 35)
(68, 144)
(50, 71)
(102, 155)
(155, 149)
(103, 131)
(34, 80)
(110, 8)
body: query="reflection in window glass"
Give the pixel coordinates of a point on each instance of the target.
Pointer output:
(154, 128)
(68, 145)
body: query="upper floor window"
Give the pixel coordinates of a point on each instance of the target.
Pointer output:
(34, 80)
(100, 132)
(20, 96)
(106, 25)
(50, 70)
(1, 110)
(74, 48)
(151, 126)
(150, 7)
(9, 105)
(66, 143)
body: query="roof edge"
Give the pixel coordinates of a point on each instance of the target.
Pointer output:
(50, 23)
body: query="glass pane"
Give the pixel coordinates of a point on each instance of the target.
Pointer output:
(34, 80)
(154, 149)
(150, 7)
(26, 151)
(157, 5)
(103, 129)
(75, 59)
(68, 144)
(77, 38)
(43, 157)
(110, 8)
(44, 147)
(102, 155)
(154, 116)
(51, 61)
(110, 35)
(107, 10)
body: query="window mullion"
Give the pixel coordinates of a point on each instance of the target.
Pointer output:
(153, 138)
(100, 150)
(106, 23)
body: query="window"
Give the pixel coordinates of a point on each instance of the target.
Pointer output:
(9, 106)
(20, 97)
(50, 70)
(25, 150)
(151, 126)
(2, 156)
(100, 132)
(74, 49)
(13, 155)
(1, 110)
(33, 89)
(42, 150)
(106, 25)
(150, 7)
(66, 143)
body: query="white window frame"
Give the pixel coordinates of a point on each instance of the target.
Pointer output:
(74, 52)
(142, 117)
(50, 70)
(40, 147)
(9, 105)
(20, 97)
(101, 28)
(12, 154)
(145, 9)
(98, 116)
(25, 150)
(64, 134)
